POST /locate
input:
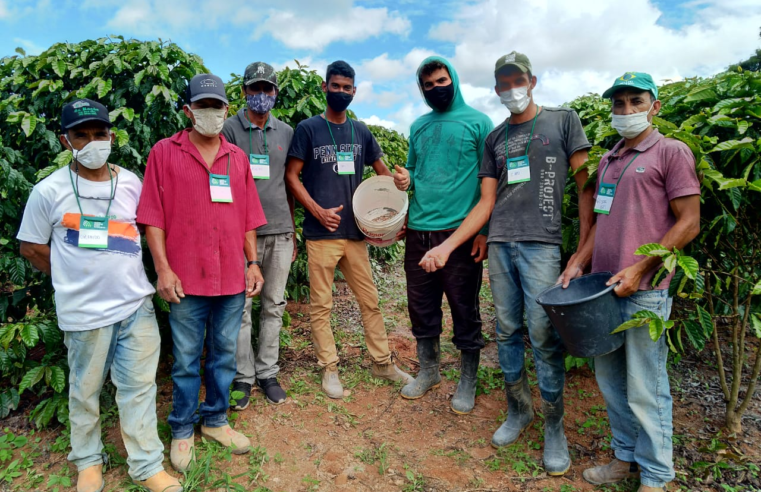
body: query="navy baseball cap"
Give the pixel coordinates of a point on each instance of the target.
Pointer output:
(81, 110)
(206, 86)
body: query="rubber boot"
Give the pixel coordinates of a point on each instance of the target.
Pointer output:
(464, 398)
(429, 355)
(556, 458)
(520, 413)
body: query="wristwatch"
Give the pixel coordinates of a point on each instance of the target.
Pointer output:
(254, 262)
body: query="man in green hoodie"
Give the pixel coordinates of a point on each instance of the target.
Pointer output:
(442, 168)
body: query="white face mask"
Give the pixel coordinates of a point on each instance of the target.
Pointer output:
(516, 100)
(631, 125)
(94, 155)
(209, 121)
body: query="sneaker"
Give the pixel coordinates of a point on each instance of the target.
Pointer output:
(272, 390)
(242, 403)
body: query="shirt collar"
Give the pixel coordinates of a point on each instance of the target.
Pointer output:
(182, 139)
(246, 124)
(644, 145)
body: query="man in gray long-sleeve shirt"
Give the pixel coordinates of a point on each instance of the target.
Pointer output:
(266, 140)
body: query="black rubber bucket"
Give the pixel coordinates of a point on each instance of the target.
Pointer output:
(584, 314)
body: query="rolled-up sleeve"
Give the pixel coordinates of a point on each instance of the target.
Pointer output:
(150, 209)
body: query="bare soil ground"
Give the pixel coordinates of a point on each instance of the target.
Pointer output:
(373, 440)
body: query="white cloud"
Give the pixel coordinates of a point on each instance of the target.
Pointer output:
(375, 120)
(316, 30)
(297, 24)
(384, 68)
(4, 12)
(165, 18)
(30, 47)
(580, 46)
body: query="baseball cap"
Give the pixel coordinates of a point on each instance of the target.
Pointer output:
(258, 72)
(515, 59)
(636, 80)
(81, 110)
(205, 86)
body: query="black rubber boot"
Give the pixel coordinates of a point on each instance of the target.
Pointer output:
(556, 458)
(428, 378)
(464, 398)
(520, 413)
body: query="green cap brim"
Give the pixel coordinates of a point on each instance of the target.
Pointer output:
(523, 68)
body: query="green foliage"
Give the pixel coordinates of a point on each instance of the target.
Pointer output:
(719, 119)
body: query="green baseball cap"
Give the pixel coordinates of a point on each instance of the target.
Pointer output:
(260, 71)
(636, 80)
(518, 60)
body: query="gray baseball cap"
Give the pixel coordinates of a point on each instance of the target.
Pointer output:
(260, 72)
(206, 86)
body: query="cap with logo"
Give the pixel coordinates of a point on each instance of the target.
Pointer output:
(81, 110)
(206, 86)
(515, 59)
(260, 72)
(635, 80)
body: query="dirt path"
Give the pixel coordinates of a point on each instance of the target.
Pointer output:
(376, 441)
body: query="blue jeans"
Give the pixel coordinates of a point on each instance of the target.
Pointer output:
(635, 385)
(518, 272)
(130, 349)
(188, 322)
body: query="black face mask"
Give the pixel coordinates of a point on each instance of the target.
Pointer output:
(440, 97)
(339, 101)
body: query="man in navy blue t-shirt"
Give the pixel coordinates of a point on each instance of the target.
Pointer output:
(330, 152)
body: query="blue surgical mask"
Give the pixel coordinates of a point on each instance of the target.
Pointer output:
(260, 103)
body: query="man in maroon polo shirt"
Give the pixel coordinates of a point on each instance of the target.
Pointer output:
(647, 192)
(200, 208)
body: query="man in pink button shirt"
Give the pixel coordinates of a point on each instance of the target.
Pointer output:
(201, 209)
(647, 192)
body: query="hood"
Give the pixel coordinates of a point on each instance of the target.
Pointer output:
(457, 101)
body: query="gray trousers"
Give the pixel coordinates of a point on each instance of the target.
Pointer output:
(275, 252)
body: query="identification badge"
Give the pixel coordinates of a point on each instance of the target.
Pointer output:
(260, 166)
(605, 198)
(345, 162)
(93, 232)
(518, 170)
(219, 184)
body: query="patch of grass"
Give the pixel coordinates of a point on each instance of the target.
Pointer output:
(312, 484)
(415, 482)
(377, 454)
(458, 455)
(516, 459)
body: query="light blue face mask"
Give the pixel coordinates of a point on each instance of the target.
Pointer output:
(260, 103)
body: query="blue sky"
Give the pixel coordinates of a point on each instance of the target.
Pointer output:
(576, 46)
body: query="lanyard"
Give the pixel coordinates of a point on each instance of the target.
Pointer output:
(250, 139)
(331, 133)
(507, 155)
(111, 195)
(208, 171)
(602, 180)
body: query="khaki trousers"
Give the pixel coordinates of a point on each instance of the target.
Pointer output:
(351, 257)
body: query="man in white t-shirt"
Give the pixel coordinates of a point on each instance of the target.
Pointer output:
(79, 228)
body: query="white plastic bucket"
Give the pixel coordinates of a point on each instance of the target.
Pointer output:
(380, 210)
